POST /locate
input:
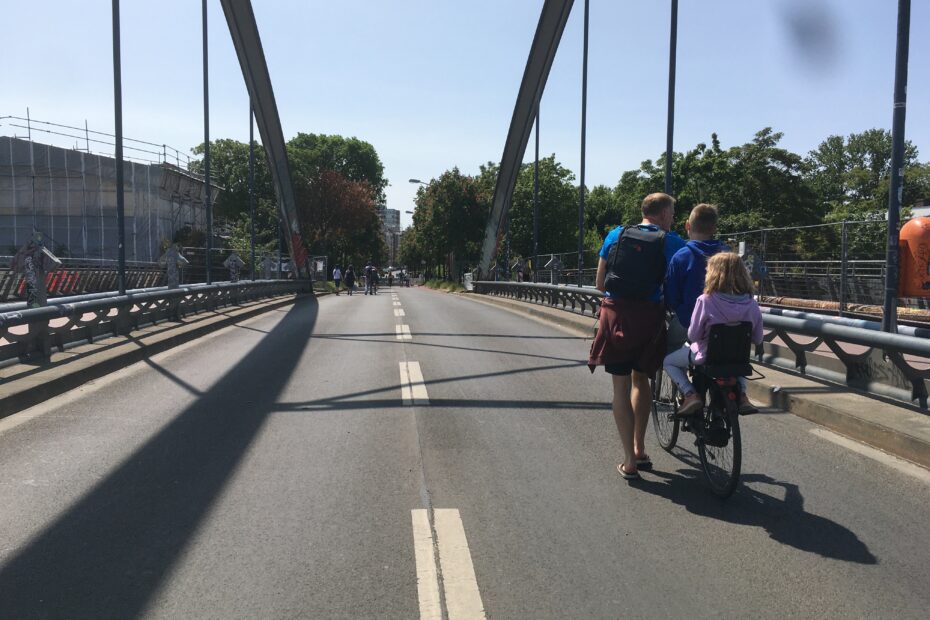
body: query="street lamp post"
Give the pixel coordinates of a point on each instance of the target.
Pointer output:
(584, 118)
(890, 314)
(118, 118)
(206, 147)
(670, 127)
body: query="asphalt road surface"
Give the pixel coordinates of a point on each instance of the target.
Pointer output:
(324, 461)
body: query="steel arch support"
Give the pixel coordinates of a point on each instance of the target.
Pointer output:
(244, 32)
(552, 21)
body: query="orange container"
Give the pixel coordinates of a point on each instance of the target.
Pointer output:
(914, 246)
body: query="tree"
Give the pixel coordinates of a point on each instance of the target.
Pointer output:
(450, 217)
(558, 209)
(339, 218)
(355, 159)
(229, 169)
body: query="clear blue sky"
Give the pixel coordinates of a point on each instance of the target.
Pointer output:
(432, 83)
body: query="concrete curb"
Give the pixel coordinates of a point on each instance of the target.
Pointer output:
(62, 375)
(892, 428)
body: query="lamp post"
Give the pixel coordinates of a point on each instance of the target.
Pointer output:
(208, 199)
(670, 126)
(118, 117)
(890, 313)
(584, 116)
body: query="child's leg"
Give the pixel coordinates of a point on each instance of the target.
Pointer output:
(676, 365)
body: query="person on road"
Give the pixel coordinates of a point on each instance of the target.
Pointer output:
(368, 271)
(684, 281)
(630, 340)
(375, 278)
(337, 278)
(350, 279)
(727, 298)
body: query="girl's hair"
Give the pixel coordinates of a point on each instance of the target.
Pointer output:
(727, 274)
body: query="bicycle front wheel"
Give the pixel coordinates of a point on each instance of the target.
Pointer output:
(720, 449)
(664, 405)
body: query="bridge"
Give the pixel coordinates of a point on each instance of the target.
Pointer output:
(266, 448)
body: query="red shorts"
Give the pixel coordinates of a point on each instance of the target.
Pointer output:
(630, 336)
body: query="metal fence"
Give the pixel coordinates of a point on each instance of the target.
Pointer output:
(29, 333)
(850, 352)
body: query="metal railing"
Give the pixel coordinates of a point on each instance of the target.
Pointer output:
(847, 351)
(83, 319)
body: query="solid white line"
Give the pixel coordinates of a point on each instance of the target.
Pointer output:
(417, 386)
(463, 600)
(898, 464)
(399, 312)
(405, 392)
(427, 577)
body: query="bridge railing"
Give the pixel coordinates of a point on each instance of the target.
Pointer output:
(33, 333)
(850, 352)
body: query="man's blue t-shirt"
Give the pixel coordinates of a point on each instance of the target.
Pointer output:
(673, 243)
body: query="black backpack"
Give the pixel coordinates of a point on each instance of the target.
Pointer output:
(636, 263)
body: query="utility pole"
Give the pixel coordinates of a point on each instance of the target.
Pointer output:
(670, 127)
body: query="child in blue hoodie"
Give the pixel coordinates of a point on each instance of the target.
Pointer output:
(684, 281)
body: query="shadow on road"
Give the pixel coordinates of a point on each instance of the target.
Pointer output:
(785, 520)
(108, 553)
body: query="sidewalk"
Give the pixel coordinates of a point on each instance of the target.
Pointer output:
(883, 424)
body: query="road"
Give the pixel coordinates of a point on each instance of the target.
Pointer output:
(296, 466)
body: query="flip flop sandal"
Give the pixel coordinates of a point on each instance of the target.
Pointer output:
(634, 475)
(644, 463)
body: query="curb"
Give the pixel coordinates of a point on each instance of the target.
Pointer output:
(28, 391)
(862, 426)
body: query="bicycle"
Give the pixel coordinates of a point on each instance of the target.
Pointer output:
(715, 426)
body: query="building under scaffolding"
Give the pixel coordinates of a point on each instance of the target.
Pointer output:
(70, 197)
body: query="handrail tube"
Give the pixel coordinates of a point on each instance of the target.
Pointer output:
(77, 308)
(904, 330)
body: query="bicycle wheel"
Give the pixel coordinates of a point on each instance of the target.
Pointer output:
(720, 449)
(664, 404)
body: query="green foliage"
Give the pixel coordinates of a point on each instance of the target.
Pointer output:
(356, 160)
(229, 169)
(558, 209)
(450, 217)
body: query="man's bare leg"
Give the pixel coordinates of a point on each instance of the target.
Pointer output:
(624, 417)
(642, 408)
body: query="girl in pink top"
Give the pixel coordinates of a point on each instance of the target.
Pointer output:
(727, 298)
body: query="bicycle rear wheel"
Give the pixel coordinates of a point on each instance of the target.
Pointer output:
(664, 405)
(720, 449)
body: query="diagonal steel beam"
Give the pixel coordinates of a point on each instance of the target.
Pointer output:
(552, 21)
(248, 44)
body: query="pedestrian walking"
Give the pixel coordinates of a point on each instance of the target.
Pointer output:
(337, 278)
(630, 340)
(369, 270)
(350, 279)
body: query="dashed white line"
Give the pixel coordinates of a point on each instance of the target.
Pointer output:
(399, 312)
(427, 577)
(898, 464)
(397, 304)
(463, 600)
(402, 332)
(412, 387)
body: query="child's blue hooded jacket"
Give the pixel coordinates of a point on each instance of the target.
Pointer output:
(684, 281)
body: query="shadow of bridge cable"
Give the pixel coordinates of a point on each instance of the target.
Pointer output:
(106, 555)
(439, 403)
(419, 343)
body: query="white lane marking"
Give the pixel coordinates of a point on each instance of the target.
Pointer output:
(405, 391)
(417, 386)
(898, 464)
(397, 304)
(463, 600)
(399, 312)
(402, 332)
(427, 577)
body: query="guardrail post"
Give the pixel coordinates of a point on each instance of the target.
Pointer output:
(844, 257)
